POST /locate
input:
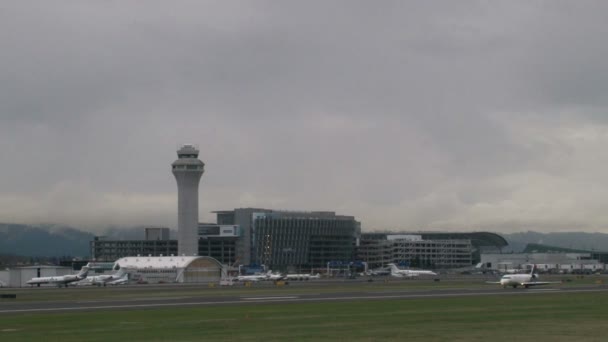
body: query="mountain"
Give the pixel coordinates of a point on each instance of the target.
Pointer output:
(47, 240)
(572, 240)
(43, 240)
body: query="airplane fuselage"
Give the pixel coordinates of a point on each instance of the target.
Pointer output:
(53, 280)
(515, 280)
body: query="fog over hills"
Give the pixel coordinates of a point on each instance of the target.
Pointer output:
(59, 240)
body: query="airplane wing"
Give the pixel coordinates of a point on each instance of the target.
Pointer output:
(492, 282)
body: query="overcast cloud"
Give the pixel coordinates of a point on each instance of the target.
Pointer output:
(453, 115)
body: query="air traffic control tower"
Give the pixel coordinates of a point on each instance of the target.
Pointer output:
(187, 170)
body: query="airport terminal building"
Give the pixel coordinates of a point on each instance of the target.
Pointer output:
(427, 249)
(275, 238)
(283, 240)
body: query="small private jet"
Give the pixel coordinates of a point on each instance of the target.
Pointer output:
(254, 277)
(60, 280)
(399, 273)
(302, 276)
(105, 279)
(522, 279)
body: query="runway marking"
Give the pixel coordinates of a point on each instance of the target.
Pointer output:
(268, 298)
(295, 300)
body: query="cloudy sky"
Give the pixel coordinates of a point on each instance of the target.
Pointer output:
(453, 115)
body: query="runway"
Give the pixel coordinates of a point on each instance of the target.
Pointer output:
(284, 297)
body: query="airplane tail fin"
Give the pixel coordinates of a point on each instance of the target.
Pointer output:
(393, 268)
(84, 271)
(533, 271)
(119, 274)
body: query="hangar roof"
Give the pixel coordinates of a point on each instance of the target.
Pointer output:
(159, 261)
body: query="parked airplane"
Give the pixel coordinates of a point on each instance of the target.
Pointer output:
(522, 279)
(377, 272)
(274, 276)
(119, 280)
(104, 279)
(61, 280)
(302, 276)
(255, 277)
(396, 272)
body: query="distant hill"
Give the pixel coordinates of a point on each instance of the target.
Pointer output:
(57, 240)
(569, 240)
(43, 240)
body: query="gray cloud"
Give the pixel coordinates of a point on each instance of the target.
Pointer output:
(409, 115)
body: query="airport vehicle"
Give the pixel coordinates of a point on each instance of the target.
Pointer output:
(61, 280)
(522, 279)
(396, 272)
(301, 276)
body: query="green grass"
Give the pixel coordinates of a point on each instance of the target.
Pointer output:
(538, 317)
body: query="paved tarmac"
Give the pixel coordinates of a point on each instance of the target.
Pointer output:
(7, 307)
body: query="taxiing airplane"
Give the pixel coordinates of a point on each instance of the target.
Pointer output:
(522, 279)
(396, 272)
(61, 280)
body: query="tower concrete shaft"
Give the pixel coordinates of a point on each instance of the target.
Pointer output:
(187, 170)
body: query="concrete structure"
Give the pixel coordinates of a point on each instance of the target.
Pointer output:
(218, 242)
(171, 269)
(187, 170)
(157, 234)
(110, 250)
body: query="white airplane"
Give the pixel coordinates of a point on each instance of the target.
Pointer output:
(302, 276)
(274, 276)
(255, 277)
(396, 272)
(61, 280)
(104, 279)
(377, 272)
(522, 279)
(123, 279)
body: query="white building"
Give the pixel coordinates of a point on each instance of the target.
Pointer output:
(545, 262)
(171, 269)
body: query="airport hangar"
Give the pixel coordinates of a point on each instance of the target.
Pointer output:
(18, 276)
(171, 269)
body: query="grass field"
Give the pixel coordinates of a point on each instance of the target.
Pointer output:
(539, 317)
